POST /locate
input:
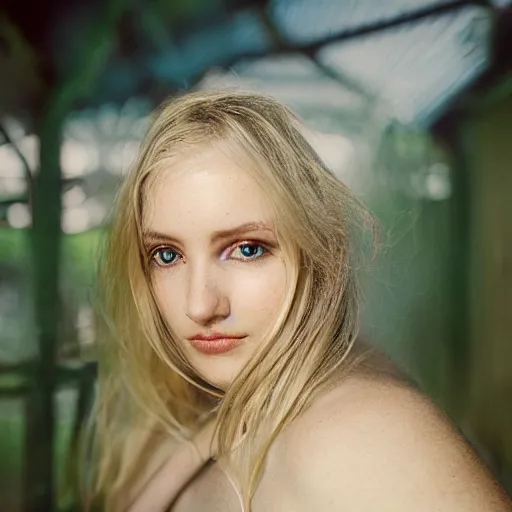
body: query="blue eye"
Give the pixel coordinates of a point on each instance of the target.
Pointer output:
(251, 251)
(165, 256)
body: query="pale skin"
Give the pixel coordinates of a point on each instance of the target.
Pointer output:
(217, 265)
(371, 443)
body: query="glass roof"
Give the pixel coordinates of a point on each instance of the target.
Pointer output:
(427, 51)
(415, 67)
(306, 21)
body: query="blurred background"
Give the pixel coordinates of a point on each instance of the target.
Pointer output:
(408, 101)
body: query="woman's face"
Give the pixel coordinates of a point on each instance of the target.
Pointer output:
(217, 270)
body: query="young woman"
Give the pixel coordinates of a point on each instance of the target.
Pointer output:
(230, 378)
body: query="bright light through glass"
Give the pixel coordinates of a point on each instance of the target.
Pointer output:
(18, 216)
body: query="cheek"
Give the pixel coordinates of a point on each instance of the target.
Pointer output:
(262, 293)
(167, 301)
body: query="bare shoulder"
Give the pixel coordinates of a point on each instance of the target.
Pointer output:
(158, 449)
(377, 443)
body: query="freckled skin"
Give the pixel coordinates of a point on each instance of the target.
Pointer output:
(211, 286)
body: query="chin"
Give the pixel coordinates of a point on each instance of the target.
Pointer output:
(219, 373)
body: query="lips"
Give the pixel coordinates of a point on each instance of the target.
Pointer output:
(215, 343)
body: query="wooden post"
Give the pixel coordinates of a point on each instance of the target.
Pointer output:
(46, 238)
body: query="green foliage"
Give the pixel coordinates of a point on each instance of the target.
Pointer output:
(14, 246)
(79, 251)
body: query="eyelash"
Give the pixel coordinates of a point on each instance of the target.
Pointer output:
(155, 251)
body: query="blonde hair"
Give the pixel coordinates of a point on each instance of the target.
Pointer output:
(147, 390)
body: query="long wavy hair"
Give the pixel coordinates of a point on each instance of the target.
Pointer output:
(147, 390)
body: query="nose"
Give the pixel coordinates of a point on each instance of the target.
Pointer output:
(207, 303)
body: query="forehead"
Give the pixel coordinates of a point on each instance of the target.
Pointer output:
(204, 191)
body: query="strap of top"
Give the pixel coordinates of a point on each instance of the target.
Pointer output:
(238, 493)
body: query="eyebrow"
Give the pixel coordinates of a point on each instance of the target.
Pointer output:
(216, 235)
